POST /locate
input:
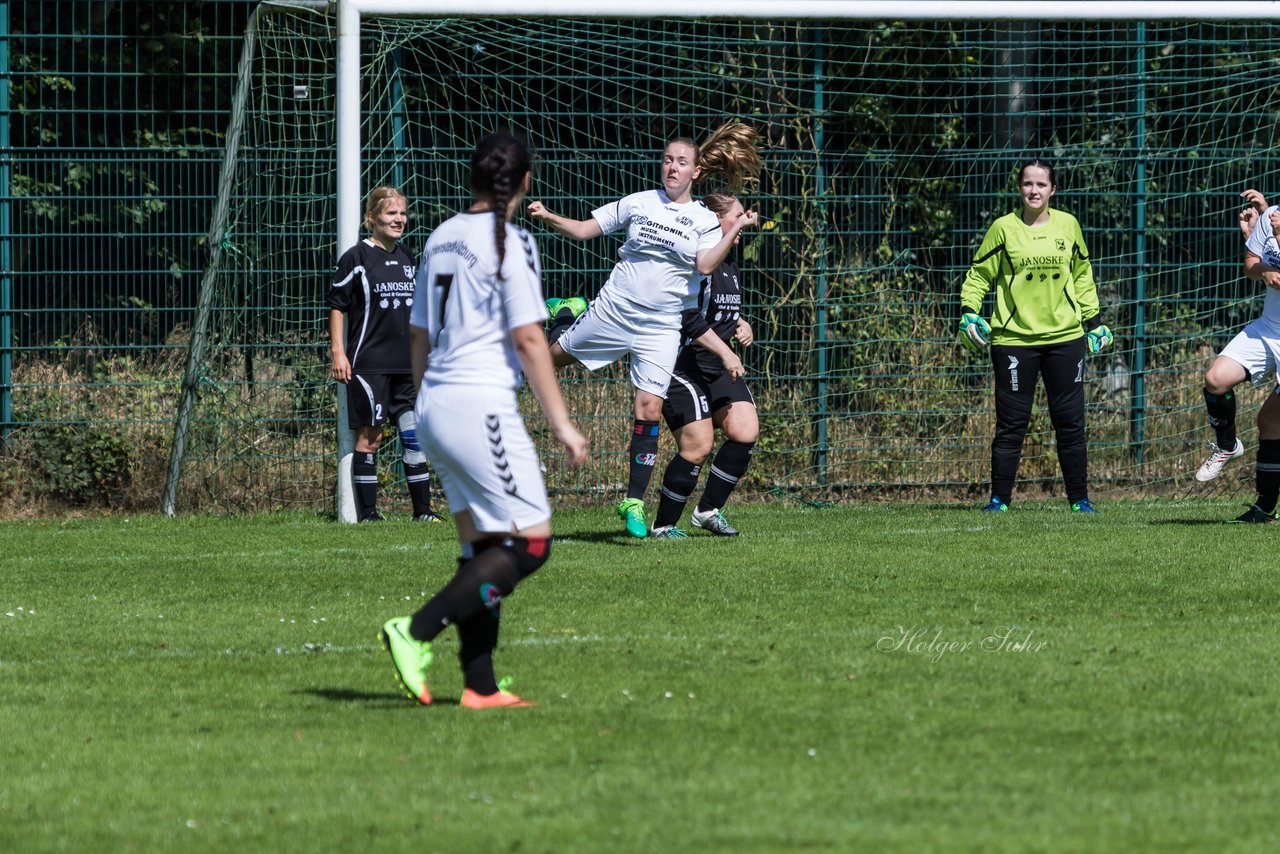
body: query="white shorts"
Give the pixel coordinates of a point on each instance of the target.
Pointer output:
(478, 447)
(1256, 348)
(611, 328)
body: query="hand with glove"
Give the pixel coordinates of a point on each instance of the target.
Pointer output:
(974, 332)
(1099, 338)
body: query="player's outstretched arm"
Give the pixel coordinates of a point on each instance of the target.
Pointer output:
(709, 259)
(578, 229)
(535, 360)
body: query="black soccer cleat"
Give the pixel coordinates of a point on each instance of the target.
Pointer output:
(1255, 515)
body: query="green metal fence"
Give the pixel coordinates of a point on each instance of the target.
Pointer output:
(891, 148)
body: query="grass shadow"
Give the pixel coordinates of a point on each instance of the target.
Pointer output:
(1191, 522)
(618, 537)
(388, 698)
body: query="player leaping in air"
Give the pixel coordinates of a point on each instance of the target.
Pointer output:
(672, 241)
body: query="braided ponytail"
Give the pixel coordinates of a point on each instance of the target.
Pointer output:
(498, 164)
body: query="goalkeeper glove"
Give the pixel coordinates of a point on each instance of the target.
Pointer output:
(974, 332)
(1099, 338)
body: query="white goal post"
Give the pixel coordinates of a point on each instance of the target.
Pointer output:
(349, 14)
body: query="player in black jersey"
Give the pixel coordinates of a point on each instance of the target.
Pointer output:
(703, 397)
(373, 288)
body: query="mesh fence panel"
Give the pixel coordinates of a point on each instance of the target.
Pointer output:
(890, 148)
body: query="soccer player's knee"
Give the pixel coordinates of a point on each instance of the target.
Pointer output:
(743, 434)
(490, 564)
(559, 357)
(1269, 417)
(697, 450)
(529, 553)
(368, 442)
(413, 453)
(1219, 380)
(648, 410)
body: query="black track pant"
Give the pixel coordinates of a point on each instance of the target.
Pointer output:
(1016, 370)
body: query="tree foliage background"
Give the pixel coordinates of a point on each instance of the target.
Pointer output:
(117, 116)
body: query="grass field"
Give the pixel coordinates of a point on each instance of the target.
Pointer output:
(863, 678)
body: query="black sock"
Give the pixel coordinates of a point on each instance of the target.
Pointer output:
(643, 454)
(418, 476)
(364, 483)
(677, 485)
(728, 467)
(560, 324)
(1267, 474)
(478, 638)
(1222, 415)
(479, 584)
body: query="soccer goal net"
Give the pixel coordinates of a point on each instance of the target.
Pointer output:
(890, 147)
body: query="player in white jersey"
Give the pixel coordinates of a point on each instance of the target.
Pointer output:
(672, 241)
(372, 293)
(476, 327)
(1251, 355)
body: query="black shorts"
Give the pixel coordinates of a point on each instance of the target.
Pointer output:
(694, 395)
(374, 399)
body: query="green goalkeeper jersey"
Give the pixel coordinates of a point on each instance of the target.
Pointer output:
(1044, 288)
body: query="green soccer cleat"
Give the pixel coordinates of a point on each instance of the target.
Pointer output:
(995, 505)
(668, 532)
(632, 512)
(1083, 506)
(575, 305)
(410, 657)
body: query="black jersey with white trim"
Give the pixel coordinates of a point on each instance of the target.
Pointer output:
(719, 308)
(374, 288)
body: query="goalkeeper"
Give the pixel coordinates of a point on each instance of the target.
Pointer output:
(1043, 326)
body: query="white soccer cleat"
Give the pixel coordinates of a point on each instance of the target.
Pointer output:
(1217, 459)
(714, 522)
